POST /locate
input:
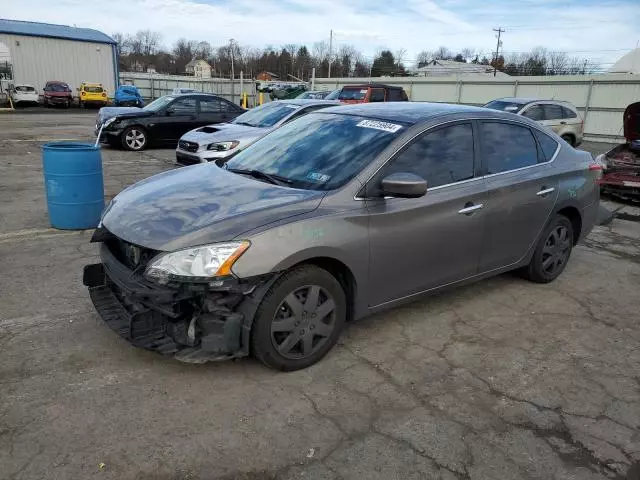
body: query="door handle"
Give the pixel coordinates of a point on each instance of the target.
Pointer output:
(469, 208)
(563, 123)
(545, 191)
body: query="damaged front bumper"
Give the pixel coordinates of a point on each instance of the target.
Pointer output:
(195, 323)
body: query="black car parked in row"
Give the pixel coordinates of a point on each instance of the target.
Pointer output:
(163, 121)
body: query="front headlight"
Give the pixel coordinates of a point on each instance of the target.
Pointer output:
(109, 121)
(196, 264)
(223, 146)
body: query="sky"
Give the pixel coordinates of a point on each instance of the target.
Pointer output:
(599, 30)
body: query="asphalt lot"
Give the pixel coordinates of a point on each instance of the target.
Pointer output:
(500, 380)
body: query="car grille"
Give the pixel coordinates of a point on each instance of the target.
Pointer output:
(188, 146)
(133, 256)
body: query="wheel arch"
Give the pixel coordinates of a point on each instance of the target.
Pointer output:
(572, 213)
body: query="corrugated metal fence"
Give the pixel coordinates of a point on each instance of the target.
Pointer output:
(601, 99)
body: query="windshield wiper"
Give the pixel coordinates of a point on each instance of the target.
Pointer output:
(271, 178)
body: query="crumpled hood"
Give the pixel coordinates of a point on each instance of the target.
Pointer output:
(222, 132)
(108, 112)
(198, 205)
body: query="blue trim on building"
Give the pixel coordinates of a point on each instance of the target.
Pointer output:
(116, 66)
(48, 30)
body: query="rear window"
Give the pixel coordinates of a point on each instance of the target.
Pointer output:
(93, 89)
(22, 88)
(352, 94)
(548, 145)
(505, 106)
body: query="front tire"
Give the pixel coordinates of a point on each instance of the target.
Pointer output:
(134, 138)
(552, 252)
(299, 320)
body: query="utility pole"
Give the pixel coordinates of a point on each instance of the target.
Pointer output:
(330, 51)
(233, 77)
(495, 62)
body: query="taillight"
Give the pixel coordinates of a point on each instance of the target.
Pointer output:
(104, 94)
(595, 167)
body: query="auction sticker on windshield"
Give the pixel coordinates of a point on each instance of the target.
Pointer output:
(318, 177)
(387, 127)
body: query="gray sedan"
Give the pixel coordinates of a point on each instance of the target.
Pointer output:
(334, 216)
(218, 143)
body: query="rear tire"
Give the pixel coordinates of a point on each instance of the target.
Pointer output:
(570, 140)
(134, 138)
(299, 319)
(552, 252)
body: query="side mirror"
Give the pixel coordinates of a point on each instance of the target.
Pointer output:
(404, 185)
(169, 111)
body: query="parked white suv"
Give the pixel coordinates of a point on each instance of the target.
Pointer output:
(23, 94)
(562, 117)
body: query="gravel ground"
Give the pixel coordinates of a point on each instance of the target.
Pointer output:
(501, 380)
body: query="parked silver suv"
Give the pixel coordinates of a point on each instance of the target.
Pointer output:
(339, 214)
(561, 117)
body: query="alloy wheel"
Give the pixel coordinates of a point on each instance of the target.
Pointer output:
(303, 322)
(135, 139)
(556, 250)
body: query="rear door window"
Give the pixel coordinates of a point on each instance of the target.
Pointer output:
(568, 113)
(377, 95)
(395, 95)
(506, 146)
(552, 112)
(441, 157)
(212, 106)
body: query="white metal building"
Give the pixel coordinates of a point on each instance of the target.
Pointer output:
(38, 52)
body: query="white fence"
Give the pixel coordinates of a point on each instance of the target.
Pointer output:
(152, 86)
(601, 99)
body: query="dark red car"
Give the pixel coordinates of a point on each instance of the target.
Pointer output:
(372, 92)
(622, 163)
(57, 93)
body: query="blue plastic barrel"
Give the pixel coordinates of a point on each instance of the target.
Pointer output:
(74, 185)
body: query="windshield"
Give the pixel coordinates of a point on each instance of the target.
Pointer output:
(93, 89)
(59, 87)
(352, 94)
(318, 151)
(333, 95)
(266, 115)
(24, 88)
(505, 106)
(159, 103)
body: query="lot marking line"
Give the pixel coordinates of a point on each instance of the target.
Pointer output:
(37, 234)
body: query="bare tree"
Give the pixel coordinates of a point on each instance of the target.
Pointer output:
(400, 57)
(320, 52)
(423, 58)
(442, 53)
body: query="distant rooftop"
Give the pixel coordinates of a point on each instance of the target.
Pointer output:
(35, 29)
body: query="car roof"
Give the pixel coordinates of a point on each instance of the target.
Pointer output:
(524, 101)
(374, 85)
(407, 112)
(310, 101)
